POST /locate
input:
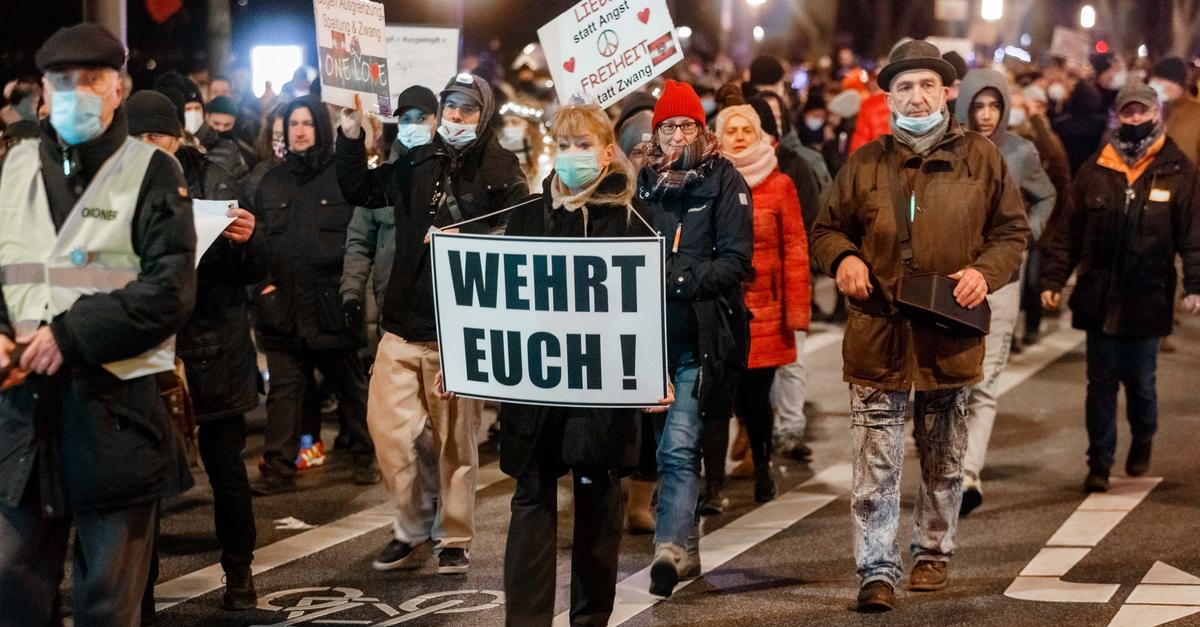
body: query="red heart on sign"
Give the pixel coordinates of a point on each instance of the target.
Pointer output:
(375, 72)
(644, 15)
(569, 64)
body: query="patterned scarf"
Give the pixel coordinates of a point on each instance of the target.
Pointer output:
(923, 144)
(673, 176)
(1133, 152)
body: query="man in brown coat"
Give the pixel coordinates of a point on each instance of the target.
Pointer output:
(967, 221)
(1169, 79)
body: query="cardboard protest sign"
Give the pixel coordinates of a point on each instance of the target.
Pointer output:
(604, 49)
(1072, 46)
(352, 52)
(421, 55)
(551, 321)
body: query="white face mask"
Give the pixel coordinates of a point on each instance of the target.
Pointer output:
(514, 134)
(1057, 92)
(457, 134)
(192, 120)
(413, 135)
(1016, 118)
(1160, 91)
(1119, 79)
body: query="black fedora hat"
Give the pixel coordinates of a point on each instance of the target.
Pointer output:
(915, 55)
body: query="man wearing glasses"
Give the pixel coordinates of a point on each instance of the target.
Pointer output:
(463, 174)
(96, 265)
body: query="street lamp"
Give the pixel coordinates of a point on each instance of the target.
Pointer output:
(755, 3)
(684, 32)
(991, 10)
(1087, 16)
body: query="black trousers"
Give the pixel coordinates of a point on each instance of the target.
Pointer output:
(221, 443)
(752, 402)
(529, 556)
(291, 374)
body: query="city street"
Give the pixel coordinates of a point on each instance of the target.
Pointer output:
(1127, 558)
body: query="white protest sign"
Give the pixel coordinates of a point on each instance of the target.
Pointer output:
(605, 49)
(1071, 45)
(210, 219)
(421, 55)
(352, 52)
(551, 321)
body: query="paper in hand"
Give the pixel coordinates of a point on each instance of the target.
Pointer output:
(211, 221)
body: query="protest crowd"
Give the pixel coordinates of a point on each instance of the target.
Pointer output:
(953, 207)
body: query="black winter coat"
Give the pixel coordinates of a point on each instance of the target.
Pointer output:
(486, 178)
(305, 224)
(706, 311)
(570, 437)
(1125, 254)
(215, 346)
(94, 441)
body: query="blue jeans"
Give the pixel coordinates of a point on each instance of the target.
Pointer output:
(1111, 362)
(679, 450)
(877, 450)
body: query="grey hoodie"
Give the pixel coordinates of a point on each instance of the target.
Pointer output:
(1019, 153)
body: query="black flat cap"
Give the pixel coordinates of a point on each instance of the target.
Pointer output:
(915, 55)
(152, 112)
(81, 45)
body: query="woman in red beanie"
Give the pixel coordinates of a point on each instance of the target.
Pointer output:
(701, 205)
(778, 295)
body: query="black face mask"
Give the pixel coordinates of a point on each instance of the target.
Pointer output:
(1133, 133)
(228, 134)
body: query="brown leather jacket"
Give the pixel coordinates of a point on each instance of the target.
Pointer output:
(971, 215)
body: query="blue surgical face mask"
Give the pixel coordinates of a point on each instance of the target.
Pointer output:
(919, 126)
(577, 169)
(75, 116)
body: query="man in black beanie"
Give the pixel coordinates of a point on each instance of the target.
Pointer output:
(218, 357)
(190, 104)
(1169, 79)
(89, 442)
(221, 114)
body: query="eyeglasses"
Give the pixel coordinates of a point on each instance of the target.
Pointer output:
(667, 129)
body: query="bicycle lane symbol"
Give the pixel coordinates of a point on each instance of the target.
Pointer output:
(317, 605)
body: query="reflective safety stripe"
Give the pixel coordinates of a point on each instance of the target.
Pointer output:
(19, 273)
(25, 327)
(86, 277)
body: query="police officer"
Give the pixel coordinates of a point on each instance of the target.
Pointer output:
(97, 271)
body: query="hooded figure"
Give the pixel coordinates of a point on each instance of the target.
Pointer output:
(1082, 124)
(984, 106)
(1019, 153)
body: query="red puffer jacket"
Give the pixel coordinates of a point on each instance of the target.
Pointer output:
(778, 295)
(874, 121)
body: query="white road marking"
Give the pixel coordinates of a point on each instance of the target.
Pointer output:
(208, 579)
(1166, 594)
(1099, 513)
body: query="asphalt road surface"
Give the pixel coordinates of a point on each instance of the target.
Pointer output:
(1037, 552)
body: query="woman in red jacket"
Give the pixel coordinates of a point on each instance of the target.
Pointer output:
(778, 295)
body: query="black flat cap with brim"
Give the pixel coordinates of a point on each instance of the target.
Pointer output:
(81, 45)
(915, 55)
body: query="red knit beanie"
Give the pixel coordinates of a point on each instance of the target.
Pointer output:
(678, 99)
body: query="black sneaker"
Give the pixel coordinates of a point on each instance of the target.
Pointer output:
(664, 573)
(1138, 462)
(366, 474)
(972, 495)
(1097, 481)
(799, 453)
(764, 484)
(453, 562)
(239, 591)
(398, 556)
(271, 483)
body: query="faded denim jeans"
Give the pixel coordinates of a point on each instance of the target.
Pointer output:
(679, 432)
(877, 448)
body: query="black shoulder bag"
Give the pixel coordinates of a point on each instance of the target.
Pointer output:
(928, 297)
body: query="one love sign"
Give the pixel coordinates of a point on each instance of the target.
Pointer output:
(601, 50)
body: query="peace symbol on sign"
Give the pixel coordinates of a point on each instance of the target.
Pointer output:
(607, 43)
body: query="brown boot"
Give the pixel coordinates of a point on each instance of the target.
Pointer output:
(876, 596)
(638, 516)
(929, 575)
